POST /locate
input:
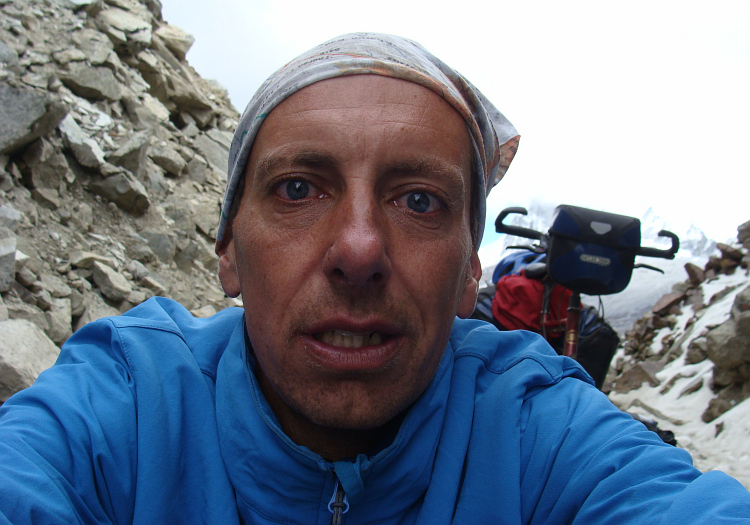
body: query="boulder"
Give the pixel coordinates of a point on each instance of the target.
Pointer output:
(166, 157)
(59, 324)
(86, 151)
(26, 115)
(95, 308)
(94, 45)
(91, 82)
(113, 285)
(47, 197)
(162, 244)
(177, 41)
(643, 372)
(132, 154)
(124, 190)
(25, 352)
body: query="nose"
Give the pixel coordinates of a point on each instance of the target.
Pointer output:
(357, 255)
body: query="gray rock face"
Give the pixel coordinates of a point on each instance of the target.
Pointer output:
(26, 115)
(125, 191)
(25, 351)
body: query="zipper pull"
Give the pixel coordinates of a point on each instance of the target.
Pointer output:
(339, 504)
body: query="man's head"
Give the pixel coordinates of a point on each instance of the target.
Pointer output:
(352, 249)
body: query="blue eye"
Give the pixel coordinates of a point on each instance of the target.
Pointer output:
(421, 202)
(296, 189)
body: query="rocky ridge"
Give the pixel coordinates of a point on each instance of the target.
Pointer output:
(686, 363)
(113, 155)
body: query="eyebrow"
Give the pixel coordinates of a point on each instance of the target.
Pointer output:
(431, 166)
(312, 159)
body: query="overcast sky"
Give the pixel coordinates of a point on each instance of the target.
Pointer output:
(620, 105)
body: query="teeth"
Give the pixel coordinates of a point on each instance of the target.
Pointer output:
(349, 339)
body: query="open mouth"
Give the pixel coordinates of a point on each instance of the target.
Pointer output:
(343, 339)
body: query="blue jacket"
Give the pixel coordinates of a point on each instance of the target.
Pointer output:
(156, 417)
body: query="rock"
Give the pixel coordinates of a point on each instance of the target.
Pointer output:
(81, 259)
(154, 285)
(25, 351)
(94, 45)
(59, 325)
(177, 41)
(3, 310)
(162, 244)
(643, 372)
(8, 55)
(696, 351)
(216, 154)
(726, 347)
(122, 189)
(167, 158)
(55, 285)
(729, 252)
(146, 111)
(204, 311)
(9, 217)
(26, 115)
(18, 309)
(69, 55)
(47, 197)
(91, 82)
(113, 285)
(743, 234)
(198, 170)
(47, 168)
(136, 30)
(86, 151)
(7, 259)
(132, 154)
(667, 301)
(195, 251)
(695, 274)
(95, 308)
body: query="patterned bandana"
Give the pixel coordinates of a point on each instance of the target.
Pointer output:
(494, 138)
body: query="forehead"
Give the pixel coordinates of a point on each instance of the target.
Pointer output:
(356, 111)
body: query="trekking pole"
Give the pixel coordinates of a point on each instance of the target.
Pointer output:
(572, 328)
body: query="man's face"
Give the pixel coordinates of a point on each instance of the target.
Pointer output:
(352, 248)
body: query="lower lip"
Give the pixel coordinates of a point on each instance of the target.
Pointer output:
(362, 359)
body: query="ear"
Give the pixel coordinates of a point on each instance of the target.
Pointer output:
(469, 298)
(228, 276)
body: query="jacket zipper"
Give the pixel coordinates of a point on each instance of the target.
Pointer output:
(339, 504)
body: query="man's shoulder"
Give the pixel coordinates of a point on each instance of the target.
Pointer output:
(516, 352)
(165, 327)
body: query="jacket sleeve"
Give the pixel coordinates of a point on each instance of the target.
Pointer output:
(68, 443)
(604, 467)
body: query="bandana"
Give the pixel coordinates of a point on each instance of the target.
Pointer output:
(494, 138)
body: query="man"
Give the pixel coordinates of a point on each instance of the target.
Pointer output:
(344, 391)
